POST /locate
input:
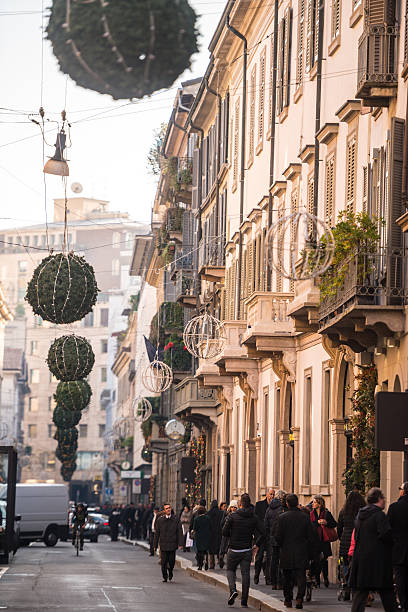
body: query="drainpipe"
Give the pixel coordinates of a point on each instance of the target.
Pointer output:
(243, 141)
(217, 193)
(318, 108)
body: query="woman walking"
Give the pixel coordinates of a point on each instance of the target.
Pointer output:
(324, 524)
(202, 536)
(185, 518)
(233, 506)
(345, 526)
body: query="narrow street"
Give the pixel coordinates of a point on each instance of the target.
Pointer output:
(107, 575)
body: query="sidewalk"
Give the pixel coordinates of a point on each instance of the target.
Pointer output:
(261, 596)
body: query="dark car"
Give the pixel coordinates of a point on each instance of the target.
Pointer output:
(101, 521)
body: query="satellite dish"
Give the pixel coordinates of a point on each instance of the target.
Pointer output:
(76, 187)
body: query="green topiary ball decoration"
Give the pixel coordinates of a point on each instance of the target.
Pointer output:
(63, 288)
(65, 453)
(65, 418)
(126, 48)
(73, 395)
(70, 358)
(66, 435)
(67, 472)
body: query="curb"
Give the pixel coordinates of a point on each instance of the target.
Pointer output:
(256, 599)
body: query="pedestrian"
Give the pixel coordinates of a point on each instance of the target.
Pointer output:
(152, 530)
(371, 569)
(223, 507)
(215, 515)
(114, 523)
(130, 521)
(233, 506)
(122, 521)
(277, 505)
(345, 526)
(323, 521)
(260, 510)
(147, 520)
(202, 536)
(294, 536)
(398, 518)
(242, 527)
(169, 536)
(185, 518)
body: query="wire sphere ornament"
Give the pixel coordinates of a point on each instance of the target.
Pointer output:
(157, 377)
(70, 358)
(142, 409)
(204, 336)
(300, 246)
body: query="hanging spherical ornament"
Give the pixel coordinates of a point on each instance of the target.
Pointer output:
(73, 395)
(70, 358)
(204, 336)
(125, 48)
(65, 418)
(67, 471)
(63, 288)
(142, 409)
(147, 455)
(66, 435)
(300, 246)
(157, 377)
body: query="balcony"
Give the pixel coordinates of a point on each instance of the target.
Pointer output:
(269, 327)
(174, 223)
(186, 289)
(370, 303)
(211, 260)
(195, 403)
(181, 262)
(305, 305)
(377, 77)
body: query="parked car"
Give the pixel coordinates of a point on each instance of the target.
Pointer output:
(93, 527)
(101, 521)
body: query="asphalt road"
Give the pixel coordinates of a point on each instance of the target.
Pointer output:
(110, 575)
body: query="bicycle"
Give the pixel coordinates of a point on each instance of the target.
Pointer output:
(77, 536)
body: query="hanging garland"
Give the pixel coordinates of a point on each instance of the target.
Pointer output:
(67, 471)
(65, 418)
(70, 358)
(364, 471)
(63, 288)
(197, 450)
(126, 48)
(73, 395)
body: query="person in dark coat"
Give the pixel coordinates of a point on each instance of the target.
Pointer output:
(276, 507)
(168, 534)
(215, 515)
(233, 507)
(242, 527)
(294, 536)
(345, 526)
(371, 569)
(398, 518)
(114, 520)
(260, 510)
(129, 516)
(320, 518)
(202, 530)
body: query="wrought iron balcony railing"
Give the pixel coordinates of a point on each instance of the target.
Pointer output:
(211, 253)
(174, 221)
(377, 65)
(186, 285)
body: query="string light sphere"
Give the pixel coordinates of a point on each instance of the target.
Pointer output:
(157, 377)
(300, 246)
(142, 409)
(63, 288)
(125, 48)
(70, 358)
(73, 395)
(204, 336)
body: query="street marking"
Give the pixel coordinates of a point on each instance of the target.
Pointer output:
(3, 570)
(113, 561)
(135, 588)
(109, 601)
(9, 576)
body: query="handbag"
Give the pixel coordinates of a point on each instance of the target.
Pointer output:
(329, 534)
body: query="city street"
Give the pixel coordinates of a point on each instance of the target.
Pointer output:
(107, 575)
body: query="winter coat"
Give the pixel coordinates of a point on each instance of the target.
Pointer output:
(398, 518)
(261, 508)
(294, 535)
(168, 533)
(114, 519)
(224, 539)
(202, 532)
(242, 527)
(215, 515)
(185, 518)
(271, 522)
(325, 547)
(345, 526)
(372, 559)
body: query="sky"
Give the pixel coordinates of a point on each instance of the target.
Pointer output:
(109, 152)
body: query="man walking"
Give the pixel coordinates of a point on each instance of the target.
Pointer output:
(114, 523)
(241, 527)
(294, 535)
(260, 510)
(371, 569)
(169, 535)
(398, 517)
(152, 530)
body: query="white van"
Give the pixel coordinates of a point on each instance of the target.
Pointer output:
(44, 512)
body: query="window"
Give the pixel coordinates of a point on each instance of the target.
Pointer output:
(52, 239)
(103, 375)
(283, 61)
(51, 403)
(115, 267)
(104, 346)
(32, 431)
(329, 215)
(21, 293)
(276, 459)
(351, 174)
(26, 240)
(51, 430)
(307, 425)
(33, 404)
(52, 378)
(265, 436)
(104, 317)
(33, 347)
(89, 319)
(101, 429)
(35, 376)
(261, 99)
(43, 240)
(22, 266)
(300, 43)
(325, 435)
(365, 189)
(83, 431)
(335, 21)
(35, 240)
(116, 240)
(236, 142)
(252, 94)
(312, 33)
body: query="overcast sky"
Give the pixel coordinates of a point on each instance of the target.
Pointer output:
(108, 154)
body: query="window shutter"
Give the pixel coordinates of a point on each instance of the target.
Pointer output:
(351, 174)
(234, 296)
(250, 268)
(379, 12)
(204, 176)
(187, 239)
(271, 69)
(252, 98)
(281, 214)
(227, 293)
(236, 140)
(365, 189)
(194, 187)
(286, 57)
(309, 35)
(279, 93)
(406, 35)
(330, 186)
(395, 182)
(310, 199)
(335, 24)
(263, 263)
(243, 283)
(226, 127)
(222, 135)
(300, 43)
(261, 104)
(316, 30)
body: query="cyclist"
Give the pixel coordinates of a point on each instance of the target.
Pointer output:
(79, 519)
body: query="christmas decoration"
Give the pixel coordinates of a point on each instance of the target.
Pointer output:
(67, 471)
(142, 409)
(70, 358)
(65, 418)
(197, 450)
(73, 395)
(66, 435)
(147, 455)
(126, 48)
(204, 336)
(300, 246)
(63, 288)
(157, 376)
